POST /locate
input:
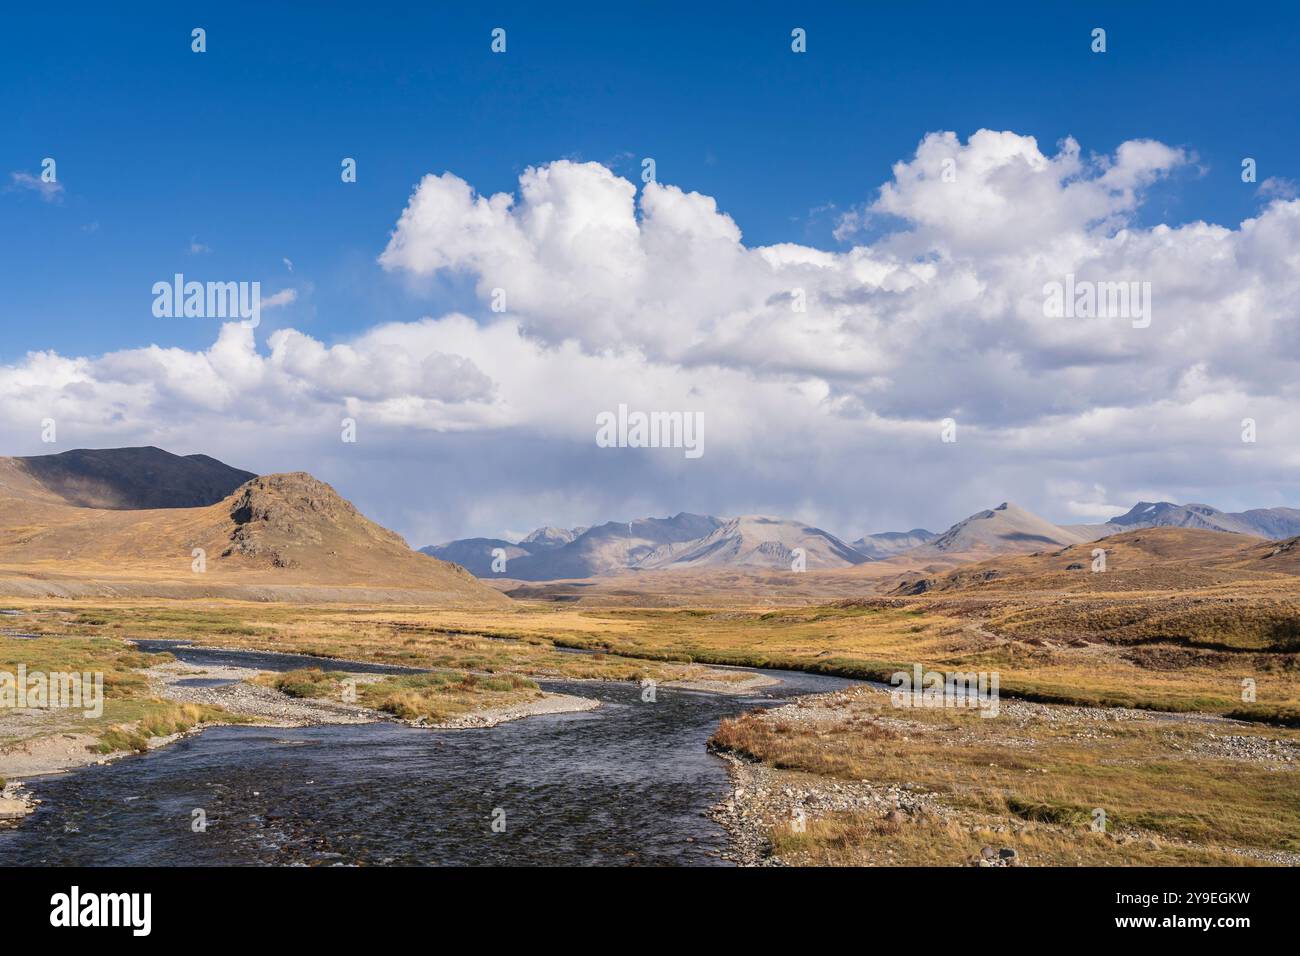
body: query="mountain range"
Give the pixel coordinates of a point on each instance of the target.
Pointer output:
(688, 541)
(130, 520)
(886, 544)
(552, 553)
(1273, 523)
(756, 541)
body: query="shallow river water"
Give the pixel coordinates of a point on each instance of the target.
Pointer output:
(627, 783)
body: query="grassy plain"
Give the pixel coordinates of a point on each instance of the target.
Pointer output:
(1186, 652)
(1178, 646)
(1175, 790)
(131, 712)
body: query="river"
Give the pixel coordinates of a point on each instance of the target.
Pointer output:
(627, 783)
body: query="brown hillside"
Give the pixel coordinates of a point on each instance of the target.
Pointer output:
(278, 536)
(1152, 558)
(1173, 597)
(1277, 556)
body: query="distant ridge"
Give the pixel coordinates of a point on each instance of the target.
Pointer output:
(611, 547)
(1273, 523)
(478, 555)
(475, 555)
(545, 538)
(1008, 528)
(133, 478)
(682, 542)
(886, 544)
(757, 541)
(687, 542)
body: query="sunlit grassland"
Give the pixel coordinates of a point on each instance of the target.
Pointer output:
(1153, 776)
(133, 725)
(131, 714)
(509, 642)
(1186, 653)
(872, 642)
(860, 839)
(1193, 656)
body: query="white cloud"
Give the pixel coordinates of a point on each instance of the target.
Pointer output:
(1279, 187)
(282, 298)
(829, 414)
(48, 191)
(1008, 197)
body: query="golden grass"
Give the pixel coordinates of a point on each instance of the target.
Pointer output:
(131, 715)
(865, 639)
(508, 643)
(1171, 652)
(118, 662)
(858, 839)
(157, 718)
(1156, 776)
(430, 697)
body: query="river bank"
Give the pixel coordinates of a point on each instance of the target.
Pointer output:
(848, 779)
(15, 803)
(231, 689)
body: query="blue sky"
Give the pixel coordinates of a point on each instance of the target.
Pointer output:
(225, 164)
(237, 150)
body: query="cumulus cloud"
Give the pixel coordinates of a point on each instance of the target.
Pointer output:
(1278, 186)
(822, 374)
(944, 315)
(1002, 194)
